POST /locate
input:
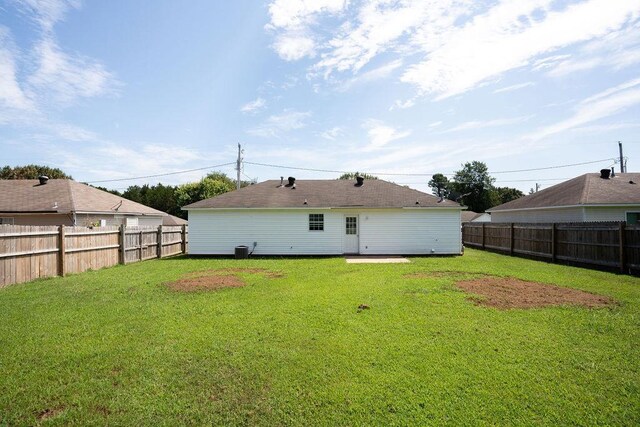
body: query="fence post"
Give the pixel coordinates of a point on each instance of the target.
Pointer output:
(554, 238)
(621, 239)
(483, 234)
(511, 240)
(184, 238)
(62, 253)
(159, 239)
(123, 240)
(140, 246)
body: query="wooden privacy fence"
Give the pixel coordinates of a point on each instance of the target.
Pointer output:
(612, 245)
(33, 252)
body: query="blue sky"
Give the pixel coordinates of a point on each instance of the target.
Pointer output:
(117, 89)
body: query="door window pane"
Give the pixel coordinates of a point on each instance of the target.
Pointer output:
(351, 225)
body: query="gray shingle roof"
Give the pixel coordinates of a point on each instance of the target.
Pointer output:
(587, 189)
(324, 194)
(64, 196)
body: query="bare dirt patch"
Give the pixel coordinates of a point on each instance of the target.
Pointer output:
(440, 274)
(237, 270)
(211, 280)
(50, 413)
(508, 292)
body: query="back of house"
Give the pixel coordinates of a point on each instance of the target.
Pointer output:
(325, 217)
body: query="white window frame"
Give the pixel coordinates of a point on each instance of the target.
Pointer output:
(316, 222)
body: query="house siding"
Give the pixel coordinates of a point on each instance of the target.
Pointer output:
(609, 213)
(410, 231)
(573, 214)
(286, 232)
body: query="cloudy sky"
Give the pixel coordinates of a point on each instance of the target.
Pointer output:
(117, 89)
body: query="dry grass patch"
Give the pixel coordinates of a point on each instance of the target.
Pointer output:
(441, 274)
(508, 292)
(211, 280)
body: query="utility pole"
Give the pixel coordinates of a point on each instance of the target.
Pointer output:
(239, 166)
(623, 168)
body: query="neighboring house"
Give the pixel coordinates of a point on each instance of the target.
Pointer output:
(589, 197)
(66, 202)
(325, 217)
(471, 216)
(173, 220)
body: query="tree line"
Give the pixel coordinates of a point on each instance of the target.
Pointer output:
(472, 186)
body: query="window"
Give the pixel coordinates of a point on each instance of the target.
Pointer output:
(316, 222)
(633, 218)
(5, 221)
(131, 222)
(352, 225)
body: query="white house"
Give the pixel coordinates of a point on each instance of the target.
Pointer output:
(586, 198)
(325, 217)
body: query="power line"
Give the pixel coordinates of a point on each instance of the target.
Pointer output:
(161, 174)
(423, 174)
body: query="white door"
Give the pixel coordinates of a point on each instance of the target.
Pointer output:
(351, 243)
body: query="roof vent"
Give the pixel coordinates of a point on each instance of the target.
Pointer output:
(417, 202)
(293, 186)
(305, 201)
(605, 173)
(43, 179)
(631, 182)
(359, 180)
(282, 181)
(292, 181)
(613, 172)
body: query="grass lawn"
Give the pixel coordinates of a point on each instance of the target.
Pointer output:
(118, 347)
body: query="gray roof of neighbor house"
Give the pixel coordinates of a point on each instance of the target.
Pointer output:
(468, 216)
(173, 220)
(334, 193)
(64, 196)
(587, 189)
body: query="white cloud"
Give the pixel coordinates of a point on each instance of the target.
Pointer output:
(278, 125)
(379, 73)
(604, 104)
(253, 106)
(402, 105)
(380, 134)
(481, 124)
(332, 134)
(11, 94)
(48, 12)
(463, 43)
(292, 47)
(502, 40)
(291, 18)
(514, 87)
(64, 78)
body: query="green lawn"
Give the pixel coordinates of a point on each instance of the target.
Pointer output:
(117, 347)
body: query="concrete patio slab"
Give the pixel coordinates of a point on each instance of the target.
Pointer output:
(356, 259)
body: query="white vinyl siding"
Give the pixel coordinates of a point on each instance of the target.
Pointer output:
(275, 232)
(286, 232)
(573, 214)
(410, 231)
(609, 214)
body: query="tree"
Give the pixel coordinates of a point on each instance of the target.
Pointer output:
(160, 197)
(353, 175)
(506, 194)
(473, 186)
(440, 185)
(32, 172)
(213, 184)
